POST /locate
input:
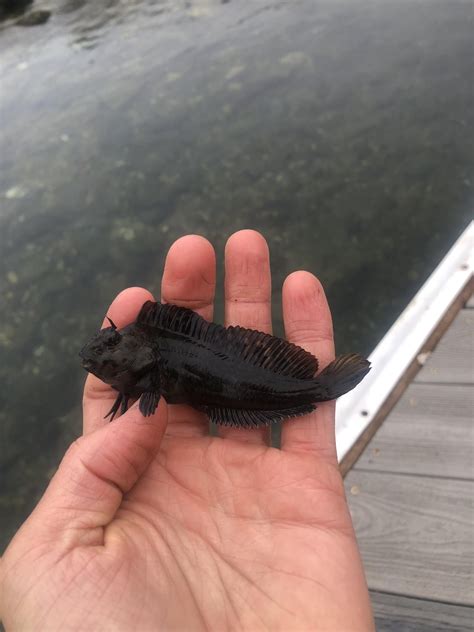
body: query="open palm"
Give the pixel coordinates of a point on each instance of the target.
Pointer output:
(152, 524)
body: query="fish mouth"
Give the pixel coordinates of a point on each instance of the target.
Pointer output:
(83, 355)
(87, 364)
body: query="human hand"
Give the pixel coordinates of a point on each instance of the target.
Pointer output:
(152, 524)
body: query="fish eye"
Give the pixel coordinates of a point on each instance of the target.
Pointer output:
(112, 338)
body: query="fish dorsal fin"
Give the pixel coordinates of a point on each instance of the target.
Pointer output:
(242, 418)
(254, 347)
(179, 320)
(269, 352)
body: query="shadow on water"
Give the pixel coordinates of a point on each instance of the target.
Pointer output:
(338, 129)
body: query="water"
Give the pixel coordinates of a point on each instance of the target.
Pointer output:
(341, 130)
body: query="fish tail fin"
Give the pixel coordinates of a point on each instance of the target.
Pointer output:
(342, 375)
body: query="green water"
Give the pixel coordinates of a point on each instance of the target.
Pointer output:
(341, 130)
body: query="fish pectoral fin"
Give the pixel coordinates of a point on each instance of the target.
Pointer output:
(242, 418)
(149, 402)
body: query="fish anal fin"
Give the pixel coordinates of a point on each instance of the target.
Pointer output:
(242, 418)
(148, 403)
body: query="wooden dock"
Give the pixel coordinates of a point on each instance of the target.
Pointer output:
(411, 495)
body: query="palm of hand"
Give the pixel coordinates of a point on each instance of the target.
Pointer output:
(218, 533)
(221, 526)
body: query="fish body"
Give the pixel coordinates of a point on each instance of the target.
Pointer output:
(237, 376)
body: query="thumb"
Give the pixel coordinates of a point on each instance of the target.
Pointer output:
(95, 473)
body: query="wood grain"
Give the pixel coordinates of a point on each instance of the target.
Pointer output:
(415, 534)
(395, 613)
(409, 376)
(452, 360)
(429, 432)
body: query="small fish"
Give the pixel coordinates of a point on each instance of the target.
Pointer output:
(238, 377)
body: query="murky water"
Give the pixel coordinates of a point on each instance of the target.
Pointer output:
(341, 130)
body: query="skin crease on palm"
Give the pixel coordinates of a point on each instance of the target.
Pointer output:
(152, 524)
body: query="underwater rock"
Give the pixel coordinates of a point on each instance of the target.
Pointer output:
(34, 18)
(12, 8)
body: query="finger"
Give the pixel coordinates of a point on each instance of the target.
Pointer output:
(248, 290)
(98, 396)
(189, 280)
(308, 324)
(97, 470)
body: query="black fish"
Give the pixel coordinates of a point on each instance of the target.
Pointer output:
(238, 377)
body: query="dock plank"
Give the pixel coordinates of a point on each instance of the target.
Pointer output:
(396, 613)
(415, 534)
(452, 360)
(429, 432)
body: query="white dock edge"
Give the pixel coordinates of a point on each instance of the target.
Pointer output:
(403, 341)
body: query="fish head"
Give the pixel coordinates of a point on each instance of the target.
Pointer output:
(101, 355)
(114, 355)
